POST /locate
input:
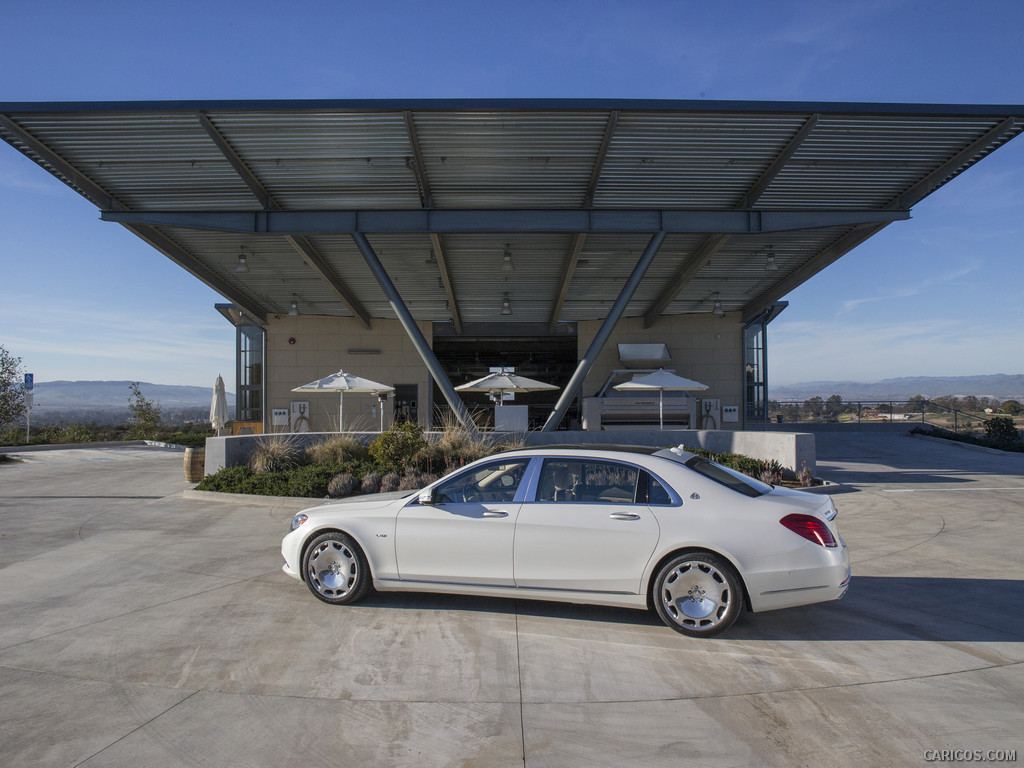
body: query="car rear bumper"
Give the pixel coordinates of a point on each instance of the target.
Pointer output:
(823, 576)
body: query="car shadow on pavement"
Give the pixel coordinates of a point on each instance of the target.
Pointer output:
(876, 608)
(901, 608)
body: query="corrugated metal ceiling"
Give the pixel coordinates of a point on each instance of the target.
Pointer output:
(506, 155)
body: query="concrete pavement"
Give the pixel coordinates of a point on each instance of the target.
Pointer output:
(141, 628)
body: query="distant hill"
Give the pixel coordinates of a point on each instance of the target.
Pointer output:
(1001, 386)
(107, 401)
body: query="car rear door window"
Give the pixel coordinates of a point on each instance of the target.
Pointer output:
(581, 480)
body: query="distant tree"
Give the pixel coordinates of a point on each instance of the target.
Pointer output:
(144, 416)
(970, 404)
(12, 389)
(1012, 408)
(917, 404)
(814, 407)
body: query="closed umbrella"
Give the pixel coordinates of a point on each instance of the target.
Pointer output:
(218, 406)
(341, 383)
(661, 380)
(500, 383)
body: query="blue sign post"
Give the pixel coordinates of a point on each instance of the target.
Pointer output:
(29, 384)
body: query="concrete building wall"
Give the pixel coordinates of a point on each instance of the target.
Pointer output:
(703, 347)
(305, 348)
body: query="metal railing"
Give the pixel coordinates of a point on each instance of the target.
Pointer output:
(915, 411)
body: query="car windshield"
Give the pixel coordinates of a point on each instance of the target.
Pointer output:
(739, 482)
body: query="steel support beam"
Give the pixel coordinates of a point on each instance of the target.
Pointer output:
(711, 245)
(828, 256)
(406, 319)
(602, 155)
(603, 333)
(318, 264)
(87, 186)
(951, 167)
(299, 243)
(245, 173)
(761, 185)
(697, 262)
(502, 220)
(416, 162)
(446, 280)
(571, 260)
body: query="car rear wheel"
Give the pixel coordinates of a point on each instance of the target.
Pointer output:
(335, 569)
(698, 594)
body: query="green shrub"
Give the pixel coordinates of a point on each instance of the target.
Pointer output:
(337, 450)
(274, 454)
(342, 484)
(1001, 431)
(394, 449)
(370, 482)
(390, 482)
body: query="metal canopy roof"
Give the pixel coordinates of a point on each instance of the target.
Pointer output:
(547, 204)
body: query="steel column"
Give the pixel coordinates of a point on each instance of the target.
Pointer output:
(556, 416)
(418, 340)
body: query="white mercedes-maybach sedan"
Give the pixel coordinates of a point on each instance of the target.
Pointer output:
(636, 528)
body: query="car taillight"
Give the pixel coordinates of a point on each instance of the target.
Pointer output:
(811, 528)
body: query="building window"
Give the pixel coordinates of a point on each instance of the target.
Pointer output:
(249, 354)
(755, 370)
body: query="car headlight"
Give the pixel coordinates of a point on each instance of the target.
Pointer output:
(298, 520)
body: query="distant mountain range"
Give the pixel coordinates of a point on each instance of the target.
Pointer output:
(1001, 386)
(107, 401)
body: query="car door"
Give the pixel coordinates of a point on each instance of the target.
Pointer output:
(584, 530)
(466, 534)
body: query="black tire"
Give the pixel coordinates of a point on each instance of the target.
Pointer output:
(335, 569)
(698, 594)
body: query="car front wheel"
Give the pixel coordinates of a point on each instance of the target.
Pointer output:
(335, 569)
(698, 594)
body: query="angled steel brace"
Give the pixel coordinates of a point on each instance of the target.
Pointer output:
(299, 243)
(571, 260)
(601, 338)
(950, 168)
(697, 262)
(406, 319)
(88, 187)
(446, 280)
(829, 255)
(190, 264)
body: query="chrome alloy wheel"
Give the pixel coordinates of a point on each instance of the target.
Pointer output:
(697, 595)
(332, 568)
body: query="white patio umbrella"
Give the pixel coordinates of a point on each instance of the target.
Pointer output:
(218, 406)
(661, 380)
(341, 383)
(500, 383)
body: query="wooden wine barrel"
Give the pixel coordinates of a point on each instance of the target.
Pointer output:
(195, 464)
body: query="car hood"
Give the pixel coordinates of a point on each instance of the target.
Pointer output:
(367, 501)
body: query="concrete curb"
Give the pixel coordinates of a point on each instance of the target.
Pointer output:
(298, 502)
(66, 446)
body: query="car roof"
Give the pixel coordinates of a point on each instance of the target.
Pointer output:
(678, 454)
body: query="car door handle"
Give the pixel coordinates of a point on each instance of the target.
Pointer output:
(495, 513)
(623, 516)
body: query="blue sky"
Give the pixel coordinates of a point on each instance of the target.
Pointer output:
(942, 294)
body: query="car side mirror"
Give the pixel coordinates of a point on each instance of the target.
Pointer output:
(427, 496)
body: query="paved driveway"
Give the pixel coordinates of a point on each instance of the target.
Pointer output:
(142, 628)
